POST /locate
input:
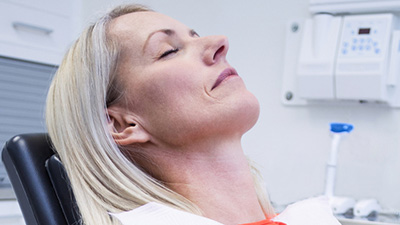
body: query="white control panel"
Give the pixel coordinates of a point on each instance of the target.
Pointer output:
(365, 36)
(362, 60)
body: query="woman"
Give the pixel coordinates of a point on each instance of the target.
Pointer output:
(143, 110)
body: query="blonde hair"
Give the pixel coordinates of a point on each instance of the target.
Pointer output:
(103, 179)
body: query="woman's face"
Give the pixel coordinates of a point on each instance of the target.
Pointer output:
(179, 86)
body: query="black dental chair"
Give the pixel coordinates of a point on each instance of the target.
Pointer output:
(39, 181)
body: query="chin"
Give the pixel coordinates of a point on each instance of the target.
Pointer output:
(252, 111)
(245, 112)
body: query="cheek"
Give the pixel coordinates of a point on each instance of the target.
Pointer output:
(167, 111)
(170, 96)
(173, 87)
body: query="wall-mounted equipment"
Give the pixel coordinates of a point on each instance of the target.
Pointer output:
(348, 51)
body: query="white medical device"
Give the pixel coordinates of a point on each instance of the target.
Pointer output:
(339, 205)
(366, 207)
(348, 51)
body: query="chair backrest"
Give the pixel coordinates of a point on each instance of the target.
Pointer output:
(39, 181)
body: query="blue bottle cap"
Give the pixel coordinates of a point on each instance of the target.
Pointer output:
(341, 127)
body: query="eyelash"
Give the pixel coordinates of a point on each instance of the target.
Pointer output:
(169, 52)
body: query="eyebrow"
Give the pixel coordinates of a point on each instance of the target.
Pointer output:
(168, 32)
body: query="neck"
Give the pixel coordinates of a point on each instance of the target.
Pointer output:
(217, 178)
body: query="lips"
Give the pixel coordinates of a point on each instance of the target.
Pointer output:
(226, 73)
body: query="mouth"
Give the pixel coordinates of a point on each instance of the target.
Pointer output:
(225, 74)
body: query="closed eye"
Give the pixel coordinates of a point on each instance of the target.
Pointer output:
(166, 53)
(194, 33)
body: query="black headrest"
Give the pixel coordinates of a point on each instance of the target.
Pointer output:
(24, 157)
(62, 187)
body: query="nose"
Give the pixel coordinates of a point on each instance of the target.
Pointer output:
(216, 48)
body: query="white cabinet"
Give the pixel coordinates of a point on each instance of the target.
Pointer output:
(56, 7)
(36, 30)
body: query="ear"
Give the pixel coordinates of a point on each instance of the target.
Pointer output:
(124, 127)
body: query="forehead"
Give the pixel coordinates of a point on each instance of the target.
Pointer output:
(138, 25)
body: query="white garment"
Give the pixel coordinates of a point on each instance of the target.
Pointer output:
(156, 214)
(314, 211)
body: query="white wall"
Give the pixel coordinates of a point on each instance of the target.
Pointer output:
(291, 144)
(10, 213)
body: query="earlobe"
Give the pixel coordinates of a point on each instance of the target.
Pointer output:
(124, 129)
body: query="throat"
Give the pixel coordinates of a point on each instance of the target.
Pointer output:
(225, 192)
(214, 176)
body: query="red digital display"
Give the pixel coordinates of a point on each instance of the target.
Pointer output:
(364, 30)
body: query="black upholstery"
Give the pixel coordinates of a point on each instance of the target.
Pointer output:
(60, 181)
(45, 197)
